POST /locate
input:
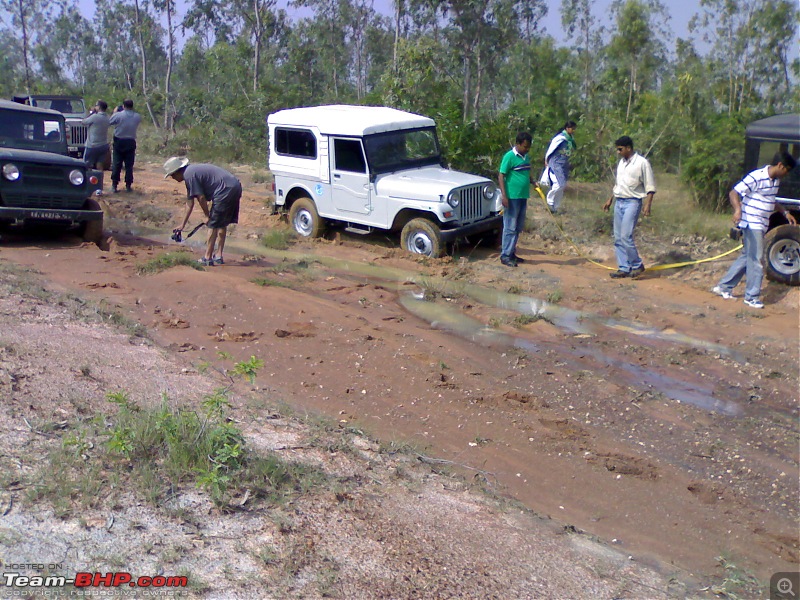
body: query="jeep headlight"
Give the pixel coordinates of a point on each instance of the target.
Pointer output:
(11, 171)
(453, 198)
(76, 177)
(489, 190)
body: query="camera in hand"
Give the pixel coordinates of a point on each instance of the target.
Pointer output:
(735, 233)
(177, 235)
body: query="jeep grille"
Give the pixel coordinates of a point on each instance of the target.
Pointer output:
(44, 186)
(471, 206)
(78, 135)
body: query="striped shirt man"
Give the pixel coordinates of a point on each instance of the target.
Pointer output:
(758, 191)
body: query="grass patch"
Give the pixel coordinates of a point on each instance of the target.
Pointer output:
(522, 320)
(276, 239)
(167, 446)
(166, 261)
(152, 214)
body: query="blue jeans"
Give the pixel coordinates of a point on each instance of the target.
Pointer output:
(749, 263)
(626, 215)
(513, 222)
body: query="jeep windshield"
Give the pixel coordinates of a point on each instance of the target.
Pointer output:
(63, 105)
(31, 131)
(404, 149)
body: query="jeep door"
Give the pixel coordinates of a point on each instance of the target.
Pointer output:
(350, 185)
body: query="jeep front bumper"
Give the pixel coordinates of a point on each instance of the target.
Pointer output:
(49, 214)
(450, 235)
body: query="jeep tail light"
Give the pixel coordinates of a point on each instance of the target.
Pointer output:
(93, 180)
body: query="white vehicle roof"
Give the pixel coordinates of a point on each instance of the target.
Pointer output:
(342, 119)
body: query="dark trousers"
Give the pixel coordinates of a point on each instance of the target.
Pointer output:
(124, 153)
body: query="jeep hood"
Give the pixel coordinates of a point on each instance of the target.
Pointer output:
(39, 156)
(426, 183)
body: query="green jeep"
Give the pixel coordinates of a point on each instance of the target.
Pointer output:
(39, 182)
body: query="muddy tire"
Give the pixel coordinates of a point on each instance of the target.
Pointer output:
(782, 254)
(92, 231)
(305, 219)
(421, 236)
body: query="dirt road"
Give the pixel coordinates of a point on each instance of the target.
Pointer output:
(651, 413)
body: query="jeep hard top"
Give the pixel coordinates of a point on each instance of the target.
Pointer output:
(74, 110)
(39, 182)
(375, 168)
(763, 138)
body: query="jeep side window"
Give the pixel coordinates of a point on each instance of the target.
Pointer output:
(300, 143)
(349, 156)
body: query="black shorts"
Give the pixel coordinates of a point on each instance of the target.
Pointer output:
(225, 211)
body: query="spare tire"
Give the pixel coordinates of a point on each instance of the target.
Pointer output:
(782, 254)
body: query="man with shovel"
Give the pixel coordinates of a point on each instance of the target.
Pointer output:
(206, 182)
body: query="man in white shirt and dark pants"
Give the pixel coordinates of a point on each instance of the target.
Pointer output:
(753, 201)
(635, 185)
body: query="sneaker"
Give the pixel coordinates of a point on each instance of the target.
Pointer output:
(720, 292)
(636, 273)
(114, 189)
(206, 262)
(508, 261)
(128, 188)
(754, 303)
(218, 260)
(620, 274)
(518, 259)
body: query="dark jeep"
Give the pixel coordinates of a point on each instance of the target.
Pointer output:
(763, 139)
(39, 182)
(74, 110)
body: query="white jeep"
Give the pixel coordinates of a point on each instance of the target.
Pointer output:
(368, 168)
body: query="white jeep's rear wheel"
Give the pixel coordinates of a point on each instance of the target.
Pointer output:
(305, 219)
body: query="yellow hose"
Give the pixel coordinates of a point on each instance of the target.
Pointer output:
(653, 268)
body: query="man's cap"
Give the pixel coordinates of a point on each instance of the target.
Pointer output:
(176, 163)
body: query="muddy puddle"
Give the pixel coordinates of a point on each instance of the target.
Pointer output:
(582, 326)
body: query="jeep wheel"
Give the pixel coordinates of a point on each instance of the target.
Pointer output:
(782, 254)
(420, 236)
(92, 231)
(305, 219)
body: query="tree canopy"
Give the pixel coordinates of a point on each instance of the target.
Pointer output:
(207, 75)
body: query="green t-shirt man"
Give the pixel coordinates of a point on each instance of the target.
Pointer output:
(515, 169)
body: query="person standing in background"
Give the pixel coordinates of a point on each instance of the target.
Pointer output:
(635, 184)
(515, 187)
(97, 124)
(556, 159)
(125, 122)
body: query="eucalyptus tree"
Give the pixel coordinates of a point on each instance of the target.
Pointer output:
(167, 9)
(636, 52)
(584, 37)
(29, 19)
(750, 43)
(132, 42)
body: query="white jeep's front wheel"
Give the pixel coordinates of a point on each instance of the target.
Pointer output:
(421, 236)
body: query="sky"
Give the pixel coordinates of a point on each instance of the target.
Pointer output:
(681, 12)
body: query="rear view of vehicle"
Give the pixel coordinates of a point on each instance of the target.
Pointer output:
(782, 243)
(39, 182)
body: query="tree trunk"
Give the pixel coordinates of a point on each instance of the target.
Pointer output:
(397, 16)
(169, 124)
(25, 42)
(257, 34)
(143, 56)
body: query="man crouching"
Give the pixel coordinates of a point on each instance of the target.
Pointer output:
(206, 182)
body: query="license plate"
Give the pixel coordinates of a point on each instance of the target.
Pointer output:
(73, 148)
(50, 215)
